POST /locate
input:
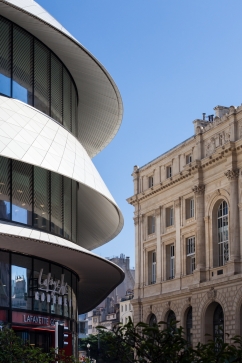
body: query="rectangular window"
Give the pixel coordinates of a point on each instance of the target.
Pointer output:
(22, 65)
(5, 279)
(151, 224)
(151, 267)
(169, 216)
(151, 181)
(188, 158)
(22, 192)
(5, 57)
(56, 204)
(21, 277)
(172, 262)
(169, 171)
(189, 208)
(41, 198)
(4, 188)
(191, 262)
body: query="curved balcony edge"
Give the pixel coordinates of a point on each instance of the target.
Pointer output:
(97, 276)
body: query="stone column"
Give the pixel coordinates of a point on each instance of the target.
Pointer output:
(200, 242)
(142, 267)
(137, 253)
(178, 238)
(158, 244)
(234, 243)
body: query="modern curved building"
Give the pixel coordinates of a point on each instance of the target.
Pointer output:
(58, 108)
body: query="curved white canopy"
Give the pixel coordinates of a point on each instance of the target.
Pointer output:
(100, 107)
(28, 135)
(98, 276)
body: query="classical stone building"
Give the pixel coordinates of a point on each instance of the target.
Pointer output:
(188, 236)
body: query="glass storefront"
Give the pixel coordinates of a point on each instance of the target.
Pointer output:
(30, 72)
(37, 285)
(38, 198)
(34, 294)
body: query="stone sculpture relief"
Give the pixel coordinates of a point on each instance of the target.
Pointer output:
(217, 140)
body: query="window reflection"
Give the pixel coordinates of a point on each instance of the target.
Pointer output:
(4, 279)
(5, 58)
(22, 196)
(4, 188)
(5, 85)
(35, 284)
(21, 276)
(74, 297)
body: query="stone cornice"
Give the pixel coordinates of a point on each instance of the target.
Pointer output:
(217, 157)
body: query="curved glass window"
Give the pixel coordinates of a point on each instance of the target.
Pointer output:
(223, 233)
(38, 198)
(37, 285)
(31, 73)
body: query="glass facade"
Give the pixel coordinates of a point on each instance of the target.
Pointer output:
(31, 73)
(32, 284)
(38, 198)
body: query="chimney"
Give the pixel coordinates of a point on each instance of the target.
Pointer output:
(127, 263)
(221, 111)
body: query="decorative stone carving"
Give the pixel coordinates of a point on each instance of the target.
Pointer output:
(232, 174)
(157, 212)
(136, 220)
(189, 301)
(210, 147)
(240, 130)
(217, 140)
(178, 202)
(212, 293)
(199, 189)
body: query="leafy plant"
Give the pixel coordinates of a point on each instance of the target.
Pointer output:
(14, 350)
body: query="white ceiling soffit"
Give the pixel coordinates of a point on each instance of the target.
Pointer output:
(98, 276)
(100, 109)
(28, 135)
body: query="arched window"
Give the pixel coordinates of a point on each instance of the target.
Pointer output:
(223, 234)
(171, 318)
(152, 320)
(189, 326)
(218, 324)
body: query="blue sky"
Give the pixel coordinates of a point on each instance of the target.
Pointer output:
(172, 60)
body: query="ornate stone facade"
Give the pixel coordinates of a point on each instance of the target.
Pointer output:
(190, 265)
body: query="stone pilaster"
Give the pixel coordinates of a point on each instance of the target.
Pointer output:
(137, 252)
(178, 238)
(142, 267)
(158, 244)
(200, 241)
(234, 235)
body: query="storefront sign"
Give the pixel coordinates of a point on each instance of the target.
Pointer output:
(51, 290)
(34, 319)
(58, 287)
